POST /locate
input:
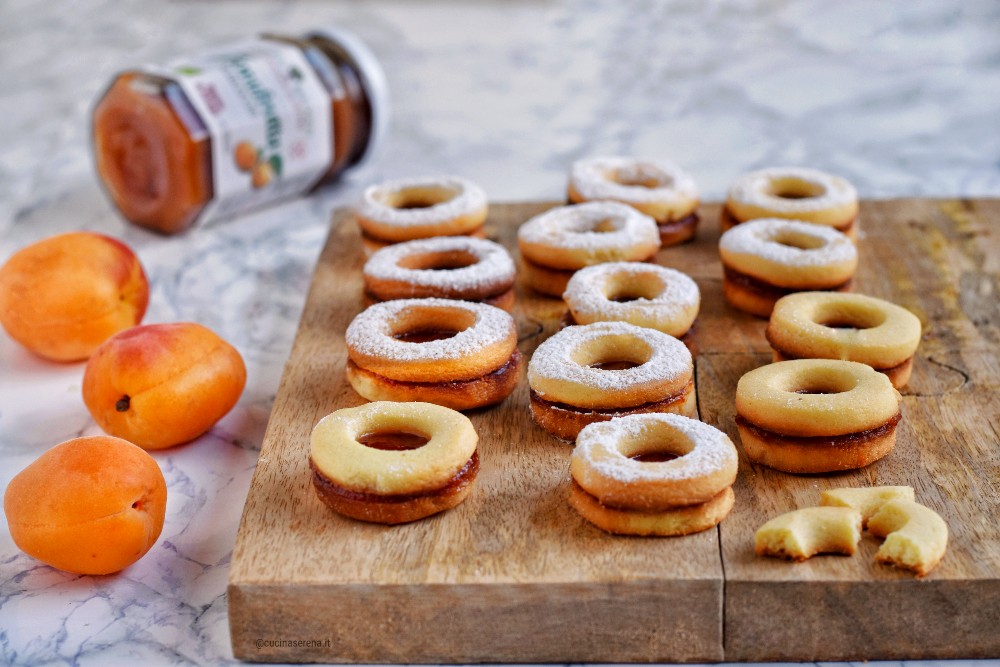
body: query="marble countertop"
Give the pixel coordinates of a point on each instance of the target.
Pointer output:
(901, 98)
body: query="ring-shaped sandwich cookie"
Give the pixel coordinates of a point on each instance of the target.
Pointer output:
(659, 188)
(389, 485)
(417, 208)
(596, 372)
(653, 474)
(764, 260)
(562, 240)
(458, 354)
(797, 193)
(643, 294)
(816, 415)
(448, 267)
(854, 327)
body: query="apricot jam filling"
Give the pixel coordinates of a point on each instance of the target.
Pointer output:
(681, 223)
(465, 476)
(652, 406)
(425, 335)
(765, 288)
(847, 439)
(500, 375)
(393, 441)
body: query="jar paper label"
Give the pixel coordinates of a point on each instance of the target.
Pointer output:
(269, 119)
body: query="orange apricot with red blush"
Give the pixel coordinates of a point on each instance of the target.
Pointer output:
(89, 505)
(160, 385)
(65, 295)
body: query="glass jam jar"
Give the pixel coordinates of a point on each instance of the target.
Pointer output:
(238, 127)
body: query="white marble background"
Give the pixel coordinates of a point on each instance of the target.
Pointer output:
(902, 98)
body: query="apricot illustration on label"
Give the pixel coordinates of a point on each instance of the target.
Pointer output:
(245, 155)
(262, 174)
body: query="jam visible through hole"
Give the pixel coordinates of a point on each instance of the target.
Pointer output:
(425, 335)
(407, 205)
(619, 353)
(452, 263)
(820, 389)
(640, 181)
(854, 318)
(419, 197)
(654, 457)
(645, 289)
(843, 324)
(794, 188)
(393, 441)
(438, 261)
(615, 365)
(799, 240)
(602, 226)
(642, 177)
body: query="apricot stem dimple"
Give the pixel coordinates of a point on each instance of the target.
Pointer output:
(123, 403)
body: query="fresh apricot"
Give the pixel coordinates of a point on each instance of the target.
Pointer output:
(159, 385)
(245, 156)
(65, 295)
(90, 505)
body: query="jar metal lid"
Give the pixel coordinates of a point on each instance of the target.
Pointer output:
(372, 78)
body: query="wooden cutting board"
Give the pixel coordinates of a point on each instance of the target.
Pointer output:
(514, 575)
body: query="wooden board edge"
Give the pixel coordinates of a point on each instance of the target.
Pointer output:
(767, 621)
(655, 621)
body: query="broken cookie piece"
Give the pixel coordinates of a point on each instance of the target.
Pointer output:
(915, 535)
(803, 533)
(867, 501)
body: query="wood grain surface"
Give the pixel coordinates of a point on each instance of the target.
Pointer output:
(514, 575)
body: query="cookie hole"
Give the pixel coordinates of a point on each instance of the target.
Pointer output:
(615, 365)
(613, 353)
(795, 188)
(422, 324)
(798, 240)
(419, 197)
(634, 288)
(641, 177)
(425, 335)
(416, 203)
(628, 297)
(393, 440)
(820, 380)
(822, 386)
(850, 316)
(657, 443)
(846, 324)
(817, 390)
(654, 457)
(439, 261)
(605, 226)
